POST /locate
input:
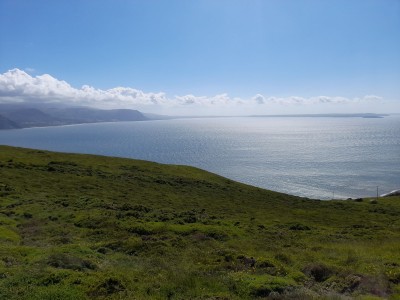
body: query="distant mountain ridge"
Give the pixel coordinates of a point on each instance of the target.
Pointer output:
(5, 123)
(24, 116)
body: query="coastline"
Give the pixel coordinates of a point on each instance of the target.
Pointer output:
(267, 153)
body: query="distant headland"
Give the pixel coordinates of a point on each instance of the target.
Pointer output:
(23, 115)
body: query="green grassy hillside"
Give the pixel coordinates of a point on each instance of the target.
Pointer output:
(91, 227)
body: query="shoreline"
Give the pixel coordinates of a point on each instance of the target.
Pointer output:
(356, 115)
(337, 198)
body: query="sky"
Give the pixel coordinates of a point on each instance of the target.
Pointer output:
(203, 57)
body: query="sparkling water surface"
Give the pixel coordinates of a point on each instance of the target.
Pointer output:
(311, 157)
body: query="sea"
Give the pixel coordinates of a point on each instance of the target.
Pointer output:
(313, 157)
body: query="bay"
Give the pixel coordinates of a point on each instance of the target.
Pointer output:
(315, 157)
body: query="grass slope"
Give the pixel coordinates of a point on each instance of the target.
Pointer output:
(82, 227)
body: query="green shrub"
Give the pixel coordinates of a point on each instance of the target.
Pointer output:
(261, 285)
(55, 293)
(67, 261)
(319, 272)
(106, 288)
(299, 226)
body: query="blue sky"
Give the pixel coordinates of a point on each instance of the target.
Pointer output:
(189, 55)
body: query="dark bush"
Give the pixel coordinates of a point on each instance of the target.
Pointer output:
(134, 214)
(265, 264)
(299, 226)
(351, 283)
(66, 261)
(266, 291)
(358, 226)
(190, 219)
(112, 285)
(189, 216)
(217, 235)
(51, 169)
(52, 279)
(319, 272)
(126, 206)
(140, 230)
(27, 215)
(102, 250)
(283, 258)
(108, 287)
(142, 208)
(5, 187)
(91, 223)
(248, 262)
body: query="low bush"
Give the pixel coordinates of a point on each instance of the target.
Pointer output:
(106, 288)
(299, 226)
(319, 272)
(67, 261)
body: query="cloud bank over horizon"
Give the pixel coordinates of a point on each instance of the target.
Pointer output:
(18, 86)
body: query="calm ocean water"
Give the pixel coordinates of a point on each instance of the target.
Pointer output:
(311, 157)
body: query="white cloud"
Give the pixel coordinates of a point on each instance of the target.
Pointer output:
(372, 98)
(17, 85)
(259, 99)
(30, 70)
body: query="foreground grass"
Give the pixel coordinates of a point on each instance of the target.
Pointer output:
(83, 227)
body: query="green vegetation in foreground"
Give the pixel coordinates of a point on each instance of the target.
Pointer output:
(90, 227)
